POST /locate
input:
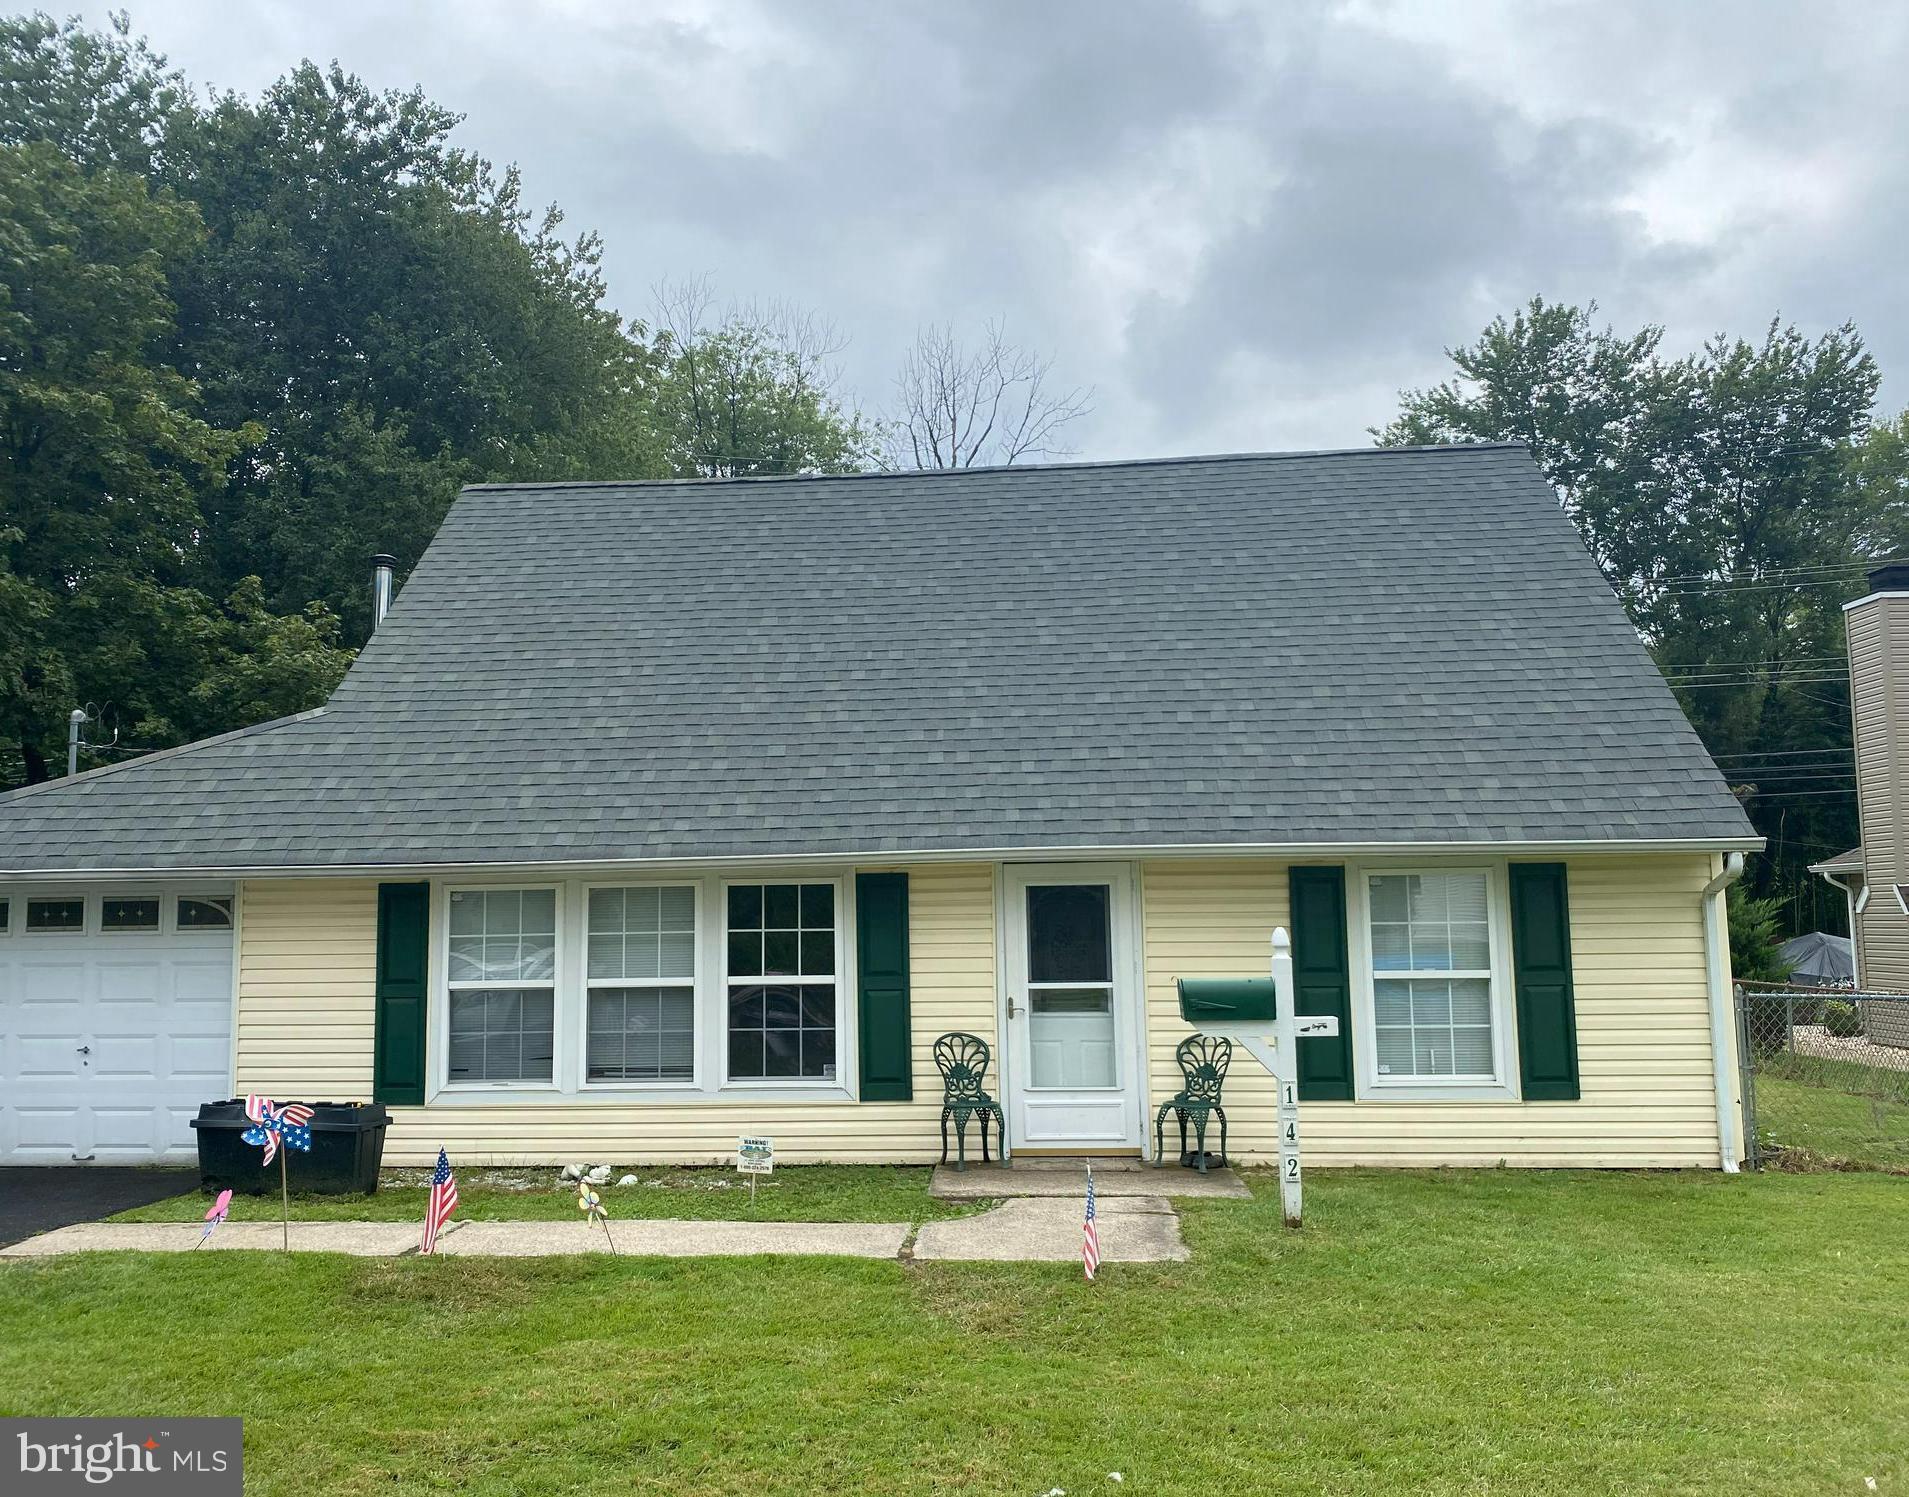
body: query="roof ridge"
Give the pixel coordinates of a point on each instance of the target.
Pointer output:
(21, 792)
(997, 468)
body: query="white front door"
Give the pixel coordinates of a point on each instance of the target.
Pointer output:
(1072, 1077)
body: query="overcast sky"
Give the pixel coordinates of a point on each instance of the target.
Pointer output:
(1247, 226)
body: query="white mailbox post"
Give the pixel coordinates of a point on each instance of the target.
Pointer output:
(1272, 1040)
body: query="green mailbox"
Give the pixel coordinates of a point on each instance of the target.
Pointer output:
(1212, 1001)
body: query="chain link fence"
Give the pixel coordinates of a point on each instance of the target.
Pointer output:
(1826, 1075)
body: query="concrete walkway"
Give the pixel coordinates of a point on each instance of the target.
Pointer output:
(662, 1239)
(1133, 1229)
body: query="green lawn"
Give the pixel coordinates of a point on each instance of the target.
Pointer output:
(1460, 1332)
(1836, 1126)
(1820, 1109)
(814, 1193)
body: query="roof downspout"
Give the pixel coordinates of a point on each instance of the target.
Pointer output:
(1855, 943)
(1717, 971)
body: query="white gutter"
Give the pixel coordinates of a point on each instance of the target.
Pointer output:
(1852, 901)
(1722, 1005)
(1325, 852)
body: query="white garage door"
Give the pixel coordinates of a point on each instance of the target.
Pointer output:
(115, 1021)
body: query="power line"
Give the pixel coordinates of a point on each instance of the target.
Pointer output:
(1784, 753)
(1811, 570)
(1763, 680)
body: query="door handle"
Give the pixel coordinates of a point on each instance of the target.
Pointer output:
(86, 1049)
(1013, 1011)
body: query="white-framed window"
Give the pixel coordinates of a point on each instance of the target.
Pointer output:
(1902, 898)
(782, 961)
(501, 972)
(1432, 989)
(640, 982)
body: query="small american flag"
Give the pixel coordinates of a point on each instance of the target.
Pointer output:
(443, 1201)
(1089, 1232)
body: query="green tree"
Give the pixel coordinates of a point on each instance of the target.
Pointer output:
(751, 393)
(1721, 493)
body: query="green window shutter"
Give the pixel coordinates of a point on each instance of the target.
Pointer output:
(1322, 979)
(881, 971)
(404, 940)
(1541, 969)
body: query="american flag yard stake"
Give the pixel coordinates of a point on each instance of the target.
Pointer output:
(442, 1203)
(1090, 1233)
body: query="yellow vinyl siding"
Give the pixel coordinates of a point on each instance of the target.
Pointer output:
(305, 1030)
(307, 955)
(1642, 1013)
(307, 947)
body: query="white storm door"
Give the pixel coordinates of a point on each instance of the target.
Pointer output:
(1071, 1079)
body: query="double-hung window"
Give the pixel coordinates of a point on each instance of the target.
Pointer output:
(1433, 976)
(502, 975)
(641, 982)
(780, 981)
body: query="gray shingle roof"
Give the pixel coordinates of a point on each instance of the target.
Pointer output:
(1404, 646)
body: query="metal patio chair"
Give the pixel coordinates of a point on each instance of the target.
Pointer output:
(1203, 1060)
(963, 1062)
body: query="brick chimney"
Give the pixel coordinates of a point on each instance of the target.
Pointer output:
(1878, 626)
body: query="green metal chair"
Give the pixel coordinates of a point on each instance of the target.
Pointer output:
(1203, 1060)
(963, 1061)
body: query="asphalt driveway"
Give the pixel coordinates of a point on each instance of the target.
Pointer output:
(38, 1200)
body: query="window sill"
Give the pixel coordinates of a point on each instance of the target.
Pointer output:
(1421, 1089)
(601, 1094)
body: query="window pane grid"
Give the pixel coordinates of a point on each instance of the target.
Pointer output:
(644, 1034)
(779, 944)
(1432, 975)
(502, 1034)
(503, 937)
(642, 935)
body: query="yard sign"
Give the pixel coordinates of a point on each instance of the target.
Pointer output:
(755, 1156)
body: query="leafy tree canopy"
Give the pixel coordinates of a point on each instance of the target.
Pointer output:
(246, 343)
(1730, 495)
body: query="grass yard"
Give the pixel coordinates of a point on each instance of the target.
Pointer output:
(1833, 1110)
(812, 1193)
(1428, 1332)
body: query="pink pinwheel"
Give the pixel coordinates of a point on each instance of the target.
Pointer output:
(214, 1215)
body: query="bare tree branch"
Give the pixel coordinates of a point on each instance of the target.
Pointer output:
(989, 404)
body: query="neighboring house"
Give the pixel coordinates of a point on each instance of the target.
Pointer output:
(657, 813)
(1875, 876)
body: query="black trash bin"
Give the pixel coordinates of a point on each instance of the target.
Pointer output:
(347, 1148)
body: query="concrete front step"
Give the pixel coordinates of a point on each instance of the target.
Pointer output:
(1113, 1178)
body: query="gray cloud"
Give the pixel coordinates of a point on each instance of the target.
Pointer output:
(1247, 226)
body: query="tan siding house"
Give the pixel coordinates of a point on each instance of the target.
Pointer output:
(1876, 875)
(656, 814)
